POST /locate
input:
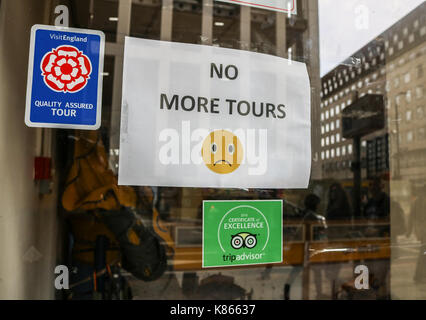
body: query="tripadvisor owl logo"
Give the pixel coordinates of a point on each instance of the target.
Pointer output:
(243, 240)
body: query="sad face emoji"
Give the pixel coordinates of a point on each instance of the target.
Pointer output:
(222, 152)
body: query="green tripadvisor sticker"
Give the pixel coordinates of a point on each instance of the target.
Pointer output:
(242, 232)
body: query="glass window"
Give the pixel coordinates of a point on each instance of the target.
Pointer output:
(388, 86)
(420, 71)
(421, 134)
(396, 82)
(420, 112)
(419, 92)
(407, 78)
(64, 199)
(408, 96)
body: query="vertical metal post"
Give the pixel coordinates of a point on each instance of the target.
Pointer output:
(245, 27)
(166, 20)
(309, 9)
(44, 135)
(124, 17)
(123, 30)
(306, 273)
(91, 13)
(207, 22)
(356, 167)
(398, 155)
(281, 34)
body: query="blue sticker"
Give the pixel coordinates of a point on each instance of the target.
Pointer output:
(64, 87)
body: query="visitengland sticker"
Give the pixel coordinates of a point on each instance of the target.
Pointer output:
(239, 233)
(64, 86)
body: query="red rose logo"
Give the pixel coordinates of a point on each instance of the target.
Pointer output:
(65, 69)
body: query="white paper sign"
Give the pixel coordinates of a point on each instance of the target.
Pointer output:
(287, 6)
(202, 116)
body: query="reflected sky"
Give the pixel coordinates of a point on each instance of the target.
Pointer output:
(346, 26)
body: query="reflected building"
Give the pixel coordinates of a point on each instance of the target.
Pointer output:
(391, 65)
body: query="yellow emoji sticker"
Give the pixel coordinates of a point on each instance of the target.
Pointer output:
(222, 152)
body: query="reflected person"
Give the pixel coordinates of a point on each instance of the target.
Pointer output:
(338, 206)
(309, 214)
